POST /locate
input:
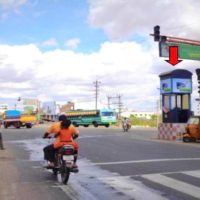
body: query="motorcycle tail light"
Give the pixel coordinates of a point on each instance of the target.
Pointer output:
(68, 152)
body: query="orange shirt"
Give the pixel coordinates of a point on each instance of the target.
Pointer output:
(54, 128)
(65, 136)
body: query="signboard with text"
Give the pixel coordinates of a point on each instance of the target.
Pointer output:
(186, 51)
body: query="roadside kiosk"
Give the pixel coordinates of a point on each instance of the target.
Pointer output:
(175, 90)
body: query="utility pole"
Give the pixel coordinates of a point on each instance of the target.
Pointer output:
(119, 105)
(96, 85)
(109, 98)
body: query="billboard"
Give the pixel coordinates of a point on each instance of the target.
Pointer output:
(166, 86)
(176, 85)
(181, 85)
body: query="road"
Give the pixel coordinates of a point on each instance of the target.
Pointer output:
(113, 165)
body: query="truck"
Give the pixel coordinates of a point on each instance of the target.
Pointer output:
(27, 120)
(17, 119)
(192, 130)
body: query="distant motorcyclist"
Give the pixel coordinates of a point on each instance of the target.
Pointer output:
(125, 124)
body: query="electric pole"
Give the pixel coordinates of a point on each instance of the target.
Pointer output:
(119, 105)
(109, 98)
(96, 85)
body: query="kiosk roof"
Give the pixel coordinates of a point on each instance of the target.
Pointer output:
(177, 73)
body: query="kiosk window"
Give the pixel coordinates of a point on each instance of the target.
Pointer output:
(185, 101)
(173, 101)
(166, 101)
(178, 101)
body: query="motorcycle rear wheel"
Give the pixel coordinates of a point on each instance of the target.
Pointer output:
(65, 173)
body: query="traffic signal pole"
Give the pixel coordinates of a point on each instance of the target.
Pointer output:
(159, 38)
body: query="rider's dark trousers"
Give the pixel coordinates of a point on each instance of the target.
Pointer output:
(49, 153)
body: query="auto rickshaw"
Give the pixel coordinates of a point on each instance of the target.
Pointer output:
(192, 130)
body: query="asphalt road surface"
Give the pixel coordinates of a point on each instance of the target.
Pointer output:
(113, 165)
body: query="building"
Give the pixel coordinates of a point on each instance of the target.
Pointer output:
(31, 104)
(66, 107)
(50, 110)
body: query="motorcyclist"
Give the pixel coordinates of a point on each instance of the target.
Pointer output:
(67, 135)
(49, 151)
(125, 123)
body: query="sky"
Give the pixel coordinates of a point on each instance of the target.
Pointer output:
(57, 49)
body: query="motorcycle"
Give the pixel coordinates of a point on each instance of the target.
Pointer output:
(125, 126)
(64, 163)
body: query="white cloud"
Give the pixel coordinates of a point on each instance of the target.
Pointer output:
(72, 43)
(66, 75)
(125, 68)
(122, 18)
(50, 43)
(10, 4)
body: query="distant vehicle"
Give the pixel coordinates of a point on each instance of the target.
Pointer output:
(192, 130)
(27, 120)
(104, 117)
(17, 119)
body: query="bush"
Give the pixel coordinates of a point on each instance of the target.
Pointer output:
(141, 121)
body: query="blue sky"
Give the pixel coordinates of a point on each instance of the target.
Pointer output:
(56, 49)
(38, 21)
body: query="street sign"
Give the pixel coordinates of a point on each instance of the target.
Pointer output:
(186, 51)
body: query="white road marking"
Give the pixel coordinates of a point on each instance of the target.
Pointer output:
(146, 161)
(195, 173)
(132, 188)
(174, 184)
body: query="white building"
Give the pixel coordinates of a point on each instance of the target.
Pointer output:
(50, 108)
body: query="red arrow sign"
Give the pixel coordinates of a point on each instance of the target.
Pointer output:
(173, 55)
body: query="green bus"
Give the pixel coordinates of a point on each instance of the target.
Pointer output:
(103, 117)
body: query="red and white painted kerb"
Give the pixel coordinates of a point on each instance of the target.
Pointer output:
(171, 131)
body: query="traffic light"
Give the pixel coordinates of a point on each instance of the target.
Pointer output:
(157, 33)
(198, 78)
